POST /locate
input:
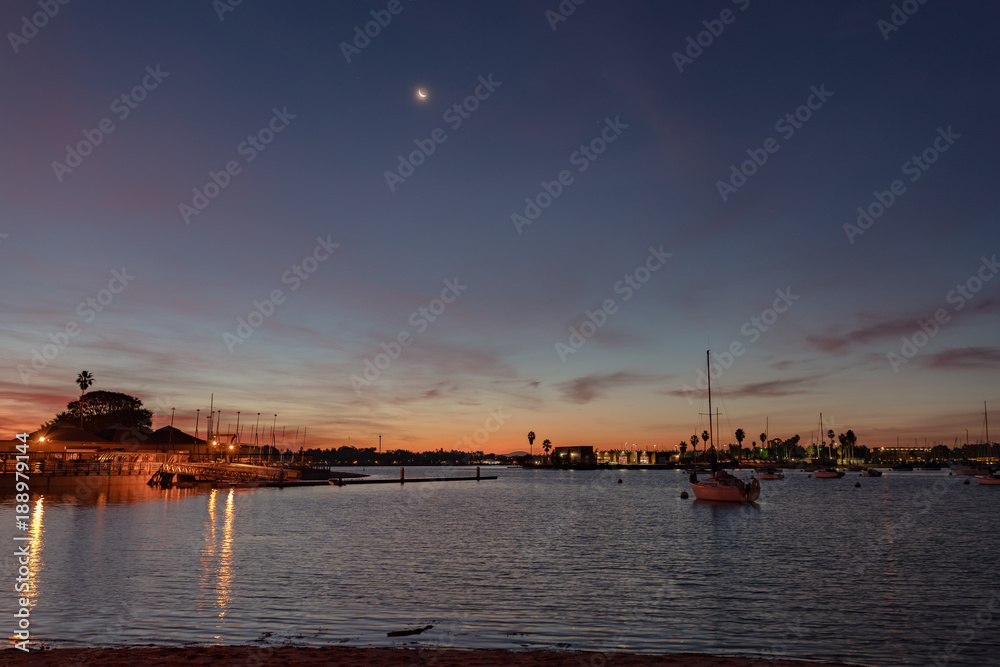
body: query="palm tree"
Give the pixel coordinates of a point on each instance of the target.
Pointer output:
(547, 445)
(683, 447)
(763, 438)
(830, 434)
(694, 444)
(740, 437)
(531, 440)
(704, 438)
(85, 380)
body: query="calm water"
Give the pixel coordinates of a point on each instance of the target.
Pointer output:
(886, 574)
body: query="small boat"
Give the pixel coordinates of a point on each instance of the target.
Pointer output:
(721, 485)
(770, 473)
(810, 468)
(828, 473)
(989, 480)
(871, 472)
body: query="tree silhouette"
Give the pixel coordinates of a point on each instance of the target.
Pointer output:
(683, 447)
(108, 408)
(704, 438)
(763, 438)
(531, 441)
(694, 444)
(547, 445)
(85, 380)
(740, 437)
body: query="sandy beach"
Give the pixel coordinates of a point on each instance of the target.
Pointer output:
(351, 657)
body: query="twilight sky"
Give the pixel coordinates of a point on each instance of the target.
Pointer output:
(251, 200)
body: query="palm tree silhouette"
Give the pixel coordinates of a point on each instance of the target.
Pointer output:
(704, 438)
(763, 437)
(547, 445)
(830, 434)
(85, 380)
(694, 444)
(531, 441)
(740, 436)
(683, 447)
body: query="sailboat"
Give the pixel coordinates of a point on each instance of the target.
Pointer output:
(721, 485)
(830, 473)
(989, 479)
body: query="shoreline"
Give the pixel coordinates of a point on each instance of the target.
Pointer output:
(350, 656)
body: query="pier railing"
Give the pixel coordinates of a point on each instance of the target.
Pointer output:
(114, 463)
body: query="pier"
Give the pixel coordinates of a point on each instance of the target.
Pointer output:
(232, 473)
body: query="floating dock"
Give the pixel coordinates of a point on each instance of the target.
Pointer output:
(404, 480)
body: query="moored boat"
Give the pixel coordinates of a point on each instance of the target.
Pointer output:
(830, 473)
(989, 480)
(769, 473)
(871, 472)
(721, 485)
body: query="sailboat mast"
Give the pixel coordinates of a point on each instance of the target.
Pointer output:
(708, 370)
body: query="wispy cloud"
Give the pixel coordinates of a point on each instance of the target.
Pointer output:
(769, 389)
(875, 330)
(587, 388)
(965, 358)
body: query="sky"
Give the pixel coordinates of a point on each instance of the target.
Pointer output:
(247, 205)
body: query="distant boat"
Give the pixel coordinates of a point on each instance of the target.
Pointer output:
(991, 478)
(721, 485)
(770, 473)
(871, 472)
(824, 472)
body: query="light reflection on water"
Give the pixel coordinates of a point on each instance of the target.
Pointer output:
(881, 574)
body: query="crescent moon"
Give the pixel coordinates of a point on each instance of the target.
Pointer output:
(421, 93)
